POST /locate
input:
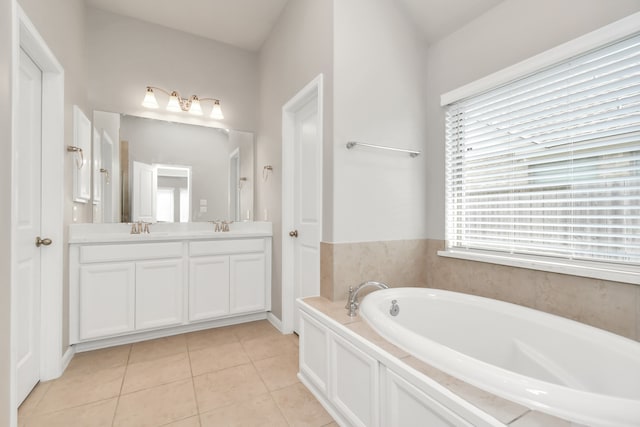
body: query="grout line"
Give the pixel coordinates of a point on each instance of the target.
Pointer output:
(124, 375)
(193, 386)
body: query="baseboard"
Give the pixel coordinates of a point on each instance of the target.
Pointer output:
(277, 323)
(66, 358)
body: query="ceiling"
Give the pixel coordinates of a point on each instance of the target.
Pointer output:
(247, 23)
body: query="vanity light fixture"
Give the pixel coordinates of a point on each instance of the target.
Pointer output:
(177, 103)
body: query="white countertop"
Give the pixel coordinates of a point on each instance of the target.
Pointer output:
(113, 233)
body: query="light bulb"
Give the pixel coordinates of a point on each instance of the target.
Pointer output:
(216, 113)
(174, 103)
(150, 99)
(195, 106)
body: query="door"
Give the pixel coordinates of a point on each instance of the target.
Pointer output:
(105, 175)
(28, 222)
(208, 287)
(107, 299)
(159, 291)
(307, 203)
(143, 192)
(246, 283)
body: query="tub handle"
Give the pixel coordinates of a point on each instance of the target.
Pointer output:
(395, 308)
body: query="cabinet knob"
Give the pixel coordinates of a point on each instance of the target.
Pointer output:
(41, 242)
(293, 233)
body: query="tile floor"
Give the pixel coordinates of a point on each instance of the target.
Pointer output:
(241, 375)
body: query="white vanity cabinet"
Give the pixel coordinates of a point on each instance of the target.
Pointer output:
(124, 291)
(228, 277)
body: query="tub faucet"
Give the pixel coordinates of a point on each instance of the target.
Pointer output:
(352, 301)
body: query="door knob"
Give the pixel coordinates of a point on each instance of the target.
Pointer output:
(293, 233)
(45, 242)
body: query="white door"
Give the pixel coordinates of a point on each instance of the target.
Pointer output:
(246, 283)
(307, 203)
(143, 192)
(106, 174)
(27, 256)
(159, 290)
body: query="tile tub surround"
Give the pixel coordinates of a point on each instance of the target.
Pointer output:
(396, 263)
(612, 306)
(241, 375)
(505, 411)
(608, 305)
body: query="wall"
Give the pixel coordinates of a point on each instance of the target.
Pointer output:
(298, 49)
(379, 100)
(511, 32)
(377, 227)
(6, 72)
(125, 55)
(67, 44)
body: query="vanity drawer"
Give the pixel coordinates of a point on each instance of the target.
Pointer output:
(130, 252)
(221, 247)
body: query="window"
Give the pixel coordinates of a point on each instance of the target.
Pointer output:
(548, 166)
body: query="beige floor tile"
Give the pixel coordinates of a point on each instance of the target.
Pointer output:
(31, 402)
(156, 372)
(263, 348)
(157, 406)
(187, 422)
(210, 337)
(158, 348)
(215, 358)
(278, 372)
(253, 330)
(331, 424)
(227, 387)
(99, 414)
(300, 407)
(260, 411)
(89, 361)
(76, 390)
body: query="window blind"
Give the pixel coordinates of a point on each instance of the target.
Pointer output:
(549, 164)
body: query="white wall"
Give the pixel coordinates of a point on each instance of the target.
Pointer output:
(110, 124)
(6, 64)
(511, 32)
(125, 55)
(378, 95)
(298, 49)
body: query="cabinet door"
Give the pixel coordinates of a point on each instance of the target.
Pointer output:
(406, 405)
(247, 283)
(208, 287)
(354, 383)
(107, 296)
(314, 352)
(159, 290)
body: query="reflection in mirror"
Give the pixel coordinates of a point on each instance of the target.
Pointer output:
(173, 172)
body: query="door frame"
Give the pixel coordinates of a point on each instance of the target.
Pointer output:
(313, 89)
(26, 36)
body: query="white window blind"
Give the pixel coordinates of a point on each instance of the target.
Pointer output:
(549, 164)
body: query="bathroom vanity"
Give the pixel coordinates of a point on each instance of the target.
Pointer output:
(177, 278)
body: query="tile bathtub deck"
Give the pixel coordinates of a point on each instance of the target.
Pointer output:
(241, 375)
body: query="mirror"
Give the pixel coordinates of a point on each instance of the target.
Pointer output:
(161, 171)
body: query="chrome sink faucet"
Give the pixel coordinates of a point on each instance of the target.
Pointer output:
(352, 301)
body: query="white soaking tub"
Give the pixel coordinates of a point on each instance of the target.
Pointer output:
(545, 362)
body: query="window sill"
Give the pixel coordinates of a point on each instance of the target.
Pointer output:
(603, 271)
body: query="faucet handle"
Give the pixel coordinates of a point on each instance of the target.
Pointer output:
(348, 305)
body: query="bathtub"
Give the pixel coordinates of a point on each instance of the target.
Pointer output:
(544, 362)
